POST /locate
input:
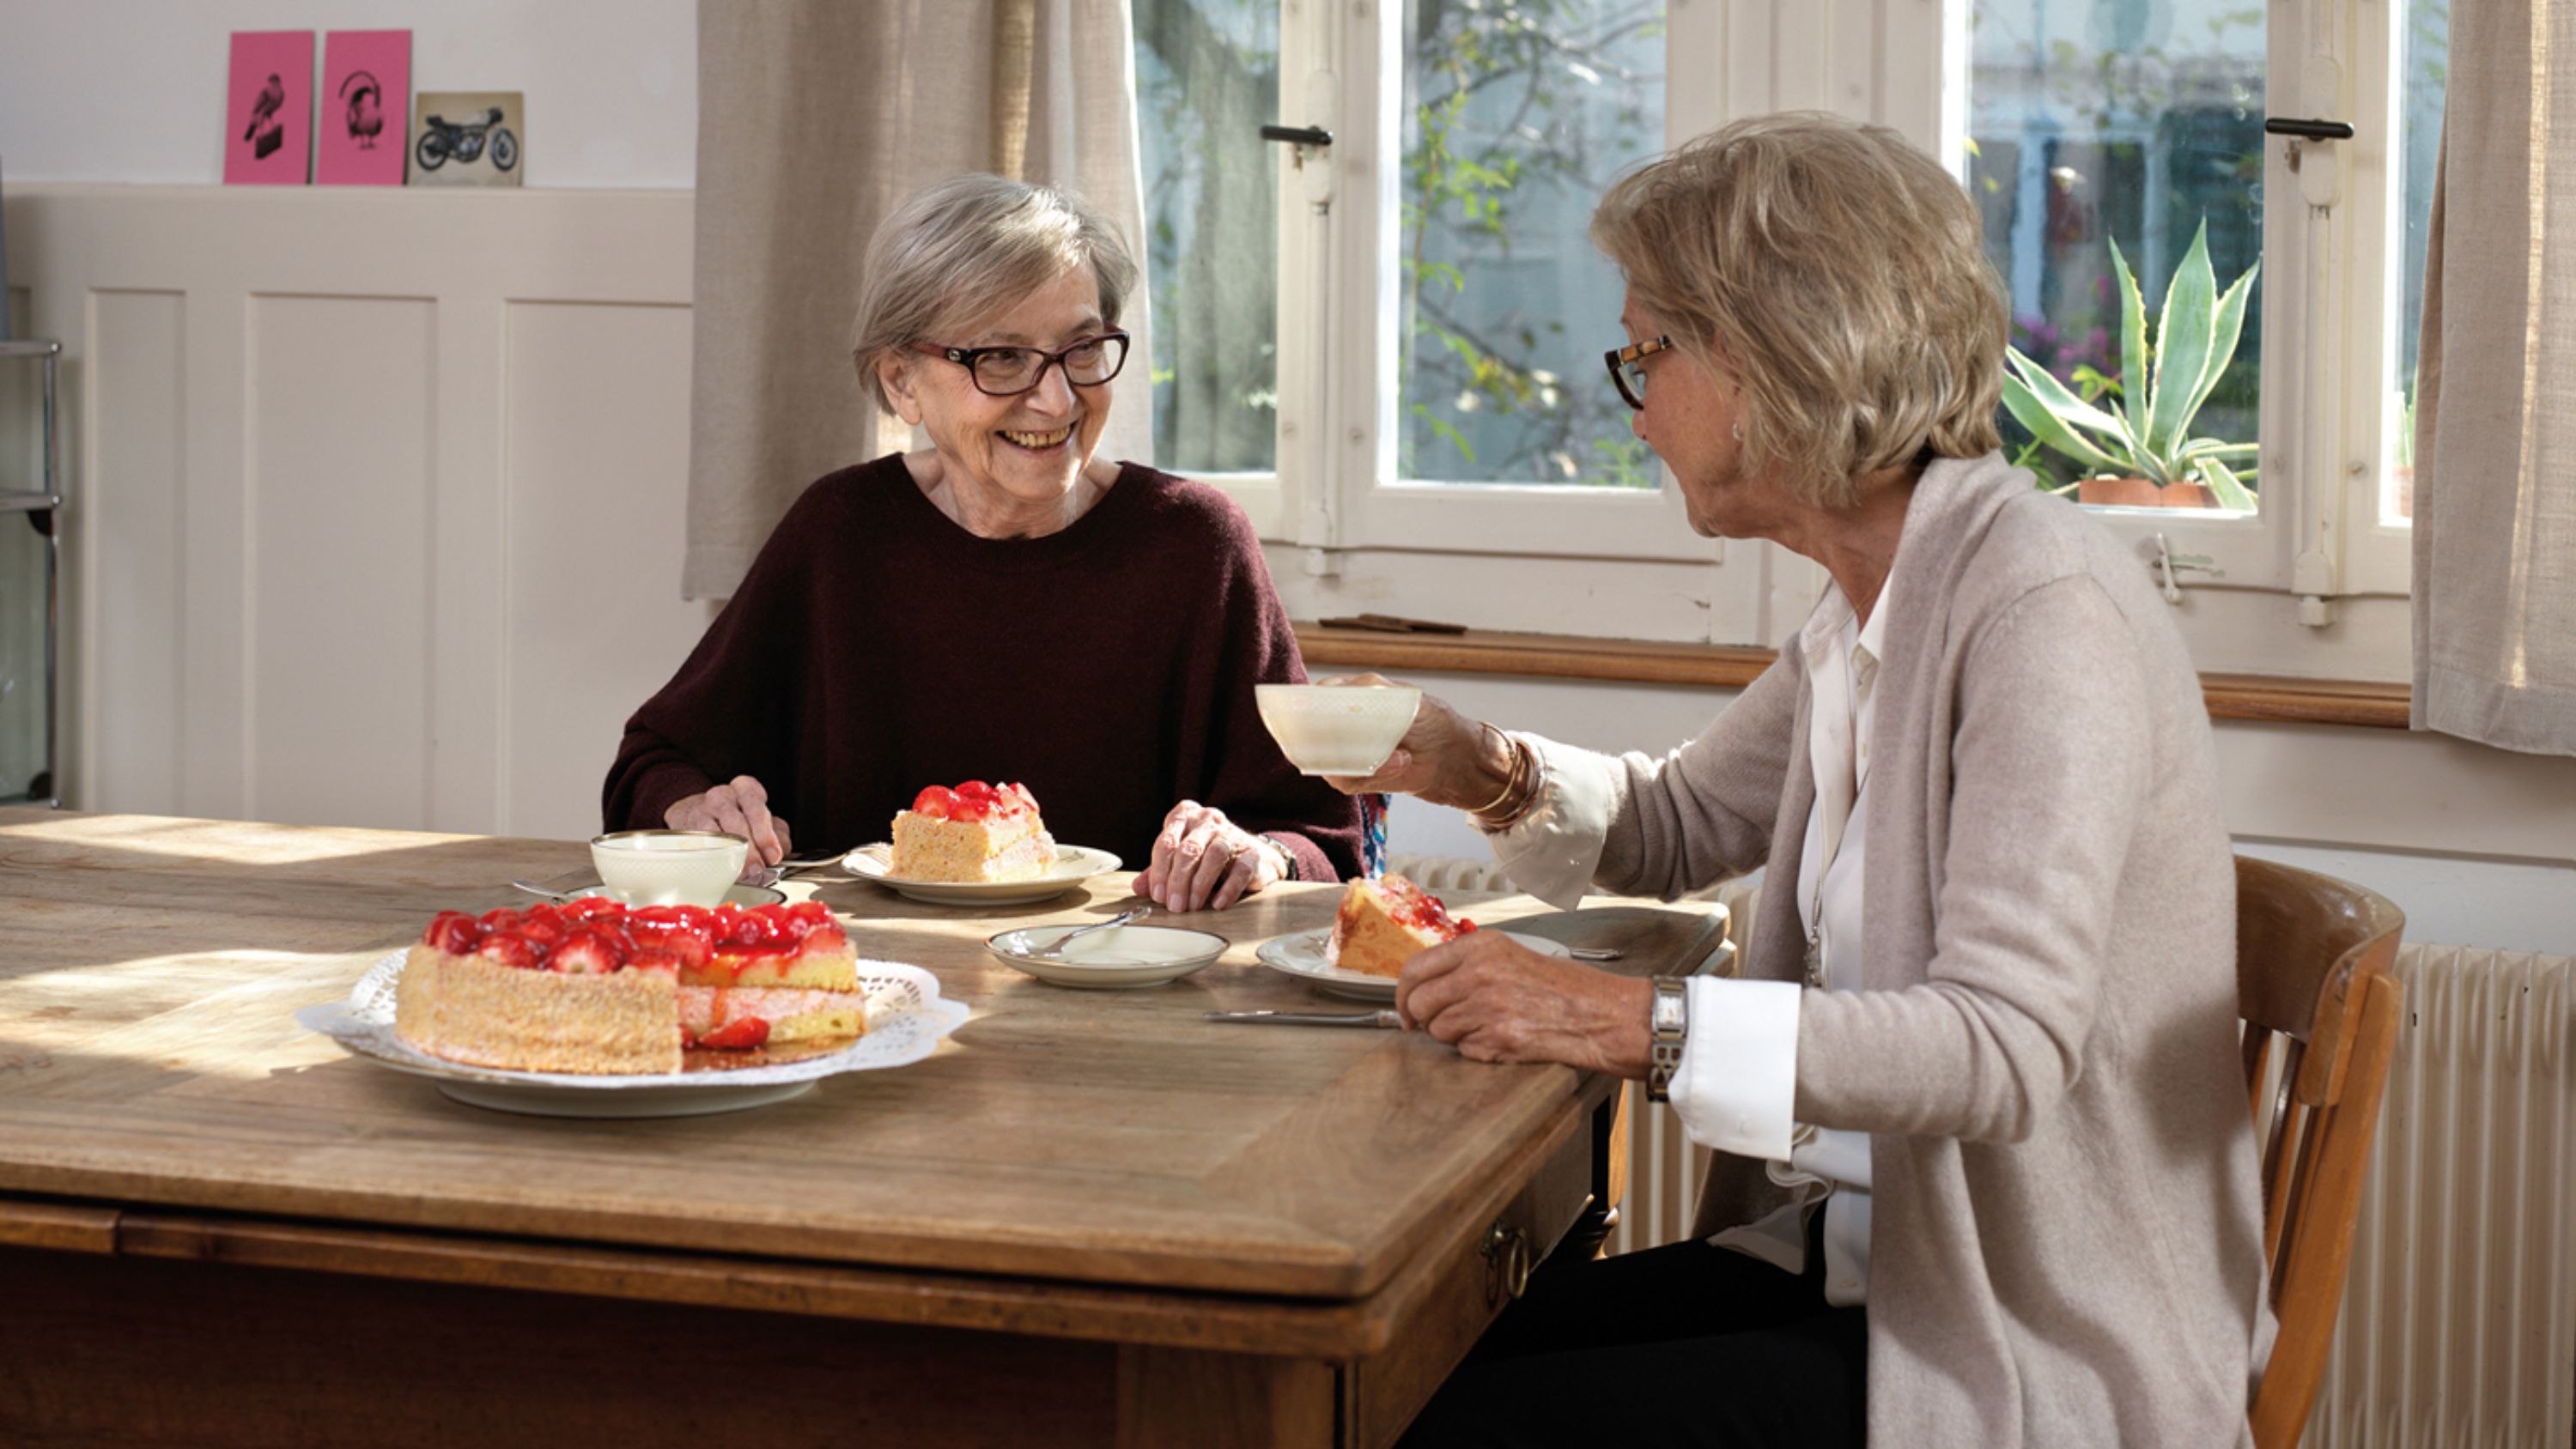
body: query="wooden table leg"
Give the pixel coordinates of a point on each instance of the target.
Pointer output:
(1177, 1398)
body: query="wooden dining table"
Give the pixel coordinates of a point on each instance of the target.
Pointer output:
(1090, 1217)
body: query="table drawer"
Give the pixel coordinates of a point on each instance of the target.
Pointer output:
(1470, 1286)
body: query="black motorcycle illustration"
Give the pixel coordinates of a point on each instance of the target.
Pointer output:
(464, 140)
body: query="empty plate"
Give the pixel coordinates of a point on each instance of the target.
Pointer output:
(1119, 956)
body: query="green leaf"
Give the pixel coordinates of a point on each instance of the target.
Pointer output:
(2223, 482)
(2074, 412)
(2027, 409)
(2185, 338)
(2227, 327)
(2133, 346)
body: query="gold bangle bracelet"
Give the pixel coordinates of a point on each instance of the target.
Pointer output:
(1517, 795)
(1511, 770)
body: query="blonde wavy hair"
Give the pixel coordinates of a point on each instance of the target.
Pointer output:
(1833, 272)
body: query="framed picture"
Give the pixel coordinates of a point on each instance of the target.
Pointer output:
(268, 109)
(366, 97)
(469, 138)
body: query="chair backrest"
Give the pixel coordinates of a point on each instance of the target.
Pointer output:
(2312, 959)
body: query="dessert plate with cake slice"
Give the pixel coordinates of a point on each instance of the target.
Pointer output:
(977, 844)
(1073, 864)
(1380, 925)
(1307, 955)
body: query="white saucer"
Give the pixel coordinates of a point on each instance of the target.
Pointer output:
(1121, 956)
(1074, 864)
(1301, 955)
(735, 895)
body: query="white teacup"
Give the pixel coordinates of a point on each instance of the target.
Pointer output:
(669, 867)
(1337, 729)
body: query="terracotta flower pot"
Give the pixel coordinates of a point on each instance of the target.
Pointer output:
(2139, 493)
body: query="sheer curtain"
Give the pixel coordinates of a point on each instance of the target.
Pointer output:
(815, 119)
(2495, 455)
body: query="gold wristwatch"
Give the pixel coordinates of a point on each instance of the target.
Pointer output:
(1668, 1025)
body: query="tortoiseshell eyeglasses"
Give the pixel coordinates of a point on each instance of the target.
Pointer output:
(1628, 368)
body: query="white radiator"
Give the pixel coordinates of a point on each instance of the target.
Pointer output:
(2459, 1318)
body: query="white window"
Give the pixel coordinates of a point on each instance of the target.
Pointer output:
(2102, 137)
(1418, 314)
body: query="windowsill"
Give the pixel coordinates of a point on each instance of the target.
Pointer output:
(1631, 661)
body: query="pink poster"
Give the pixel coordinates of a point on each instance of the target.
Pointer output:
(268, 113)
(366, 108)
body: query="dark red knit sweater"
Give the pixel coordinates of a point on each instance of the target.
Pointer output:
(876, 647)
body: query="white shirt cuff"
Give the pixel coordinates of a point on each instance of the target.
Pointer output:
(1552, 850)
(1736, 1089)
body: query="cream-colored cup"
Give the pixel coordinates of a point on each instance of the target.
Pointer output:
(1337, 729)
(669, 867)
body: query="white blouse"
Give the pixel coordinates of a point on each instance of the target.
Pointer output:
(1736, 1088)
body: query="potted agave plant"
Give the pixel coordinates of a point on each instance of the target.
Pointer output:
(2142, 454)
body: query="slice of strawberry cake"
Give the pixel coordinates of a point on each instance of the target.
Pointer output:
(976, 832)
(1383, 922)
(593, 986)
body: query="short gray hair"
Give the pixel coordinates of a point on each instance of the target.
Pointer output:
(961, 250)
(1841, 273)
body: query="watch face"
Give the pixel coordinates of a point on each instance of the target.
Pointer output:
(1668, 1015)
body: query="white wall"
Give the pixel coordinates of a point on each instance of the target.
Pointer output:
(133, 90)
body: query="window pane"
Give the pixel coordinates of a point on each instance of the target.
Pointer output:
(2139, 124)
(2422, 73)
(1207, 80)
(1516, 118)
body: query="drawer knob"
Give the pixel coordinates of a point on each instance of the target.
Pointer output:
(1506, 1251)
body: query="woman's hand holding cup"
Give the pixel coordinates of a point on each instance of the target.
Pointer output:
(1444, 757)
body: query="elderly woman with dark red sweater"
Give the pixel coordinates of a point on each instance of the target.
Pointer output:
(1001, 605)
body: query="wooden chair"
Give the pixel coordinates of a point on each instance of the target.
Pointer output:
(2312, 959)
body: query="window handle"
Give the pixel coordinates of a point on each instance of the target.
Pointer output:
(2291, 126)
(2170, 566)
(1318, 136)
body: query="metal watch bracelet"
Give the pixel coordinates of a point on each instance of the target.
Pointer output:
(1668, 1027)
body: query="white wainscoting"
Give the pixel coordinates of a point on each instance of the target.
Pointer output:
(377, 495)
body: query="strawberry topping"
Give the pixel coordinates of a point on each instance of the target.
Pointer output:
(974, 801)
(590, 937)
(739, 1035)
(589, 953)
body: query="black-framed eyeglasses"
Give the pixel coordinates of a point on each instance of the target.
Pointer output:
(1628, 368)
(1010, 371)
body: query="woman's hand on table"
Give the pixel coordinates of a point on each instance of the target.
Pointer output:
(1444, 757)
(738, 807)
(1203, 861)
(1497, 1000)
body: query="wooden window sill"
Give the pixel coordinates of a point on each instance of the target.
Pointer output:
(1633, 661)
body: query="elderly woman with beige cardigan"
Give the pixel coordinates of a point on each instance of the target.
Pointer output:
(1983, 1172)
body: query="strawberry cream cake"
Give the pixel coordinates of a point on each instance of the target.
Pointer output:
(976, 832)
(595, 986)
(1384, 921)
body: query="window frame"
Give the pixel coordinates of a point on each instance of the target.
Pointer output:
(1334, 497)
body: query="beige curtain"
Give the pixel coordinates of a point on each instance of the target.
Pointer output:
(2495, 456)
(815, 119)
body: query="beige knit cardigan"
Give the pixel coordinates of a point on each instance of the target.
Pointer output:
(2066, 1243)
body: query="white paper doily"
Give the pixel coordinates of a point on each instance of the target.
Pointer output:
(907, 1018)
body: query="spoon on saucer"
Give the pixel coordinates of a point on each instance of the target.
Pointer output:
(1055, 947)
(538, 890)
